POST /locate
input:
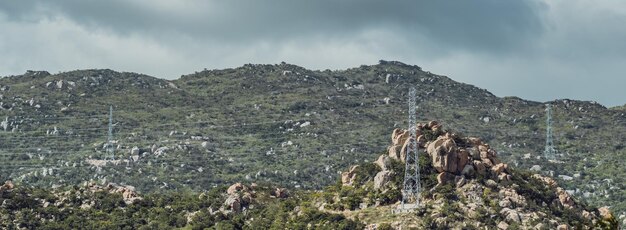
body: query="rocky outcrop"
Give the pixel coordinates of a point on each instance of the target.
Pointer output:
(236, 187)
(239, 197)
(128, 192)
(348, 177)
(384, 162)
(485, 183)
(8, 185)
(382, 178)
(281, 193)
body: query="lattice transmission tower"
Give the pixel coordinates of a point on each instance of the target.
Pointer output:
(411, 186)
(549, 152)
(110, 148)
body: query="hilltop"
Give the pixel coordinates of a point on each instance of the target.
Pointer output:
(280, 124)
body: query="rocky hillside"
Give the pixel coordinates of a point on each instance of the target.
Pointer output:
(465, 186)
(280, 124)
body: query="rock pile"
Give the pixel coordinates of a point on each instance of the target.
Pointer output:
(128, 192)
(240, 197)
(455, 158)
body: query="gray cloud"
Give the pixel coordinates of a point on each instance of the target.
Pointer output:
(507, 47)
(479, 25)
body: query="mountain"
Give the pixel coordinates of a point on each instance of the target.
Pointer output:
(280, 124)
(464, 186)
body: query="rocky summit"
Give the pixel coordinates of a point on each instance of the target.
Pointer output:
(466, 186)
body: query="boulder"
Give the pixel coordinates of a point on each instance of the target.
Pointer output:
(499, 168)
(535, 168)
(8, 185)
(463, 159)
(487, 162)
(511, 215)
(432, 124)
(399, 136)
(587, 215)
(233, 202)
(421, 141)
(432, 146)
(444, 178)
(468, 170)
(437, 128)
(236, 187)
(381, 179)
(383, 162)
(394, 151)
(605, 213)
(503, 177)
(280, 193)
(562, 227)
(348, 177)
(493, 156)
(134, 151)
(480, 168)
(503, 225)
(444, 161)
(491, 183)
(483, 149)
(404, 149)
(474, 153)
(565, 199)
(445, 157)
(546, 180)
(459, 181)
(510, 195)
(474, 141)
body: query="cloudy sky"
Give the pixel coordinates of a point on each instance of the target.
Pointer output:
(534, 49)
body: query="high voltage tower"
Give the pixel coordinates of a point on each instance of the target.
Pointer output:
(110, 149)
(550, 151)
(411, 188)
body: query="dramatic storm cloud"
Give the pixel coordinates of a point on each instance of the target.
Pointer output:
(535, 49)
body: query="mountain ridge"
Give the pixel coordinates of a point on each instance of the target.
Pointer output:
(281, 123)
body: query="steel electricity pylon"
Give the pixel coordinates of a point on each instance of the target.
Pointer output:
(411, 186)
(110, 148)
(549, 152)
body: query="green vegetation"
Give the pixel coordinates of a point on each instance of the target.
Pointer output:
(23, 208)
(247, 124)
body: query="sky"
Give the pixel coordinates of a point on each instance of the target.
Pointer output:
(534, 49)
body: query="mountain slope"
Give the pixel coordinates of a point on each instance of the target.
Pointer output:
(465, 186)
(280, 124)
